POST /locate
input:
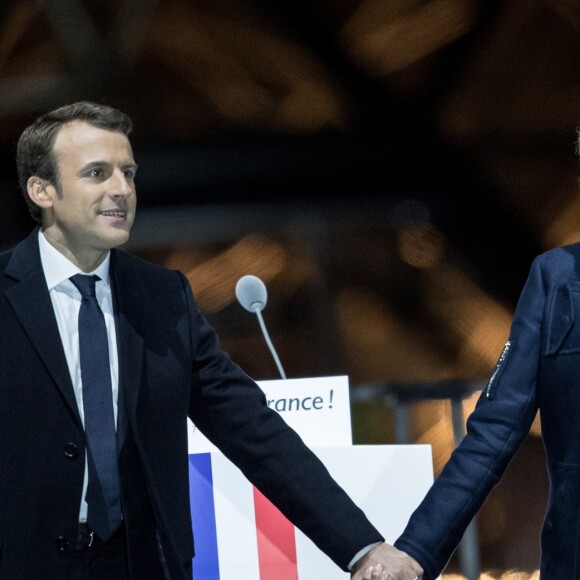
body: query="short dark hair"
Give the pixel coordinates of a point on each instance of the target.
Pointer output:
(34, 152)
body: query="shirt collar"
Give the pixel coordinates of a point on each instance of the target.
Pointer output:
(57, 268)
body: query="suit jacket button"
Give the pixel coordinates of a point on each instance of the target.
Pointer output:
(71, 451)
(61, 544)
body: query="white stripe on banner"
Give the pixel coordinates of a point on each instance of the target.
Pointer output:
(236, 522)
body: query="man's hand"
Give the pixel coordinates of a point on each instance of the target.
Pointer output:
(385, 562)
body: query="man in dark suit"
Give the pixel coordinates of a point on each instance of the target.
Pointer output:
(93, 479)
(537, 371)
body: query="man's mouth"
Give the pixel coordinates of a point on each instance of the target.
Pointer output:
(115, 213)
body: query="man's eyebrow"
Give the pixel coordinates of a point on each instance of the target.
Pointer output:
(98, 164)
(95, 163)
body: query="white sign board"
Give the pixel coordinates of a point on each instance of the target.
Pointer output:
(231, 544)
(240, 535)
(317, 408)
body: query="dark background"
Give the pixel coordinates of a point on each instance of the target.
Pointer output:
(389, 168)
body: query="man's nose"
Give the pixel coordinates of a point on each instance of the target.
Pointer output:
(121, 185)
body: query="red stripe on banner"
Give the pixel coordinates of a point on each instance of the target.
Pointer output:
(276, 541)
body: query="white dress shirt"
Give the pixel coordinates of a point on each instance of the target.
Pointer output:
(66, 301)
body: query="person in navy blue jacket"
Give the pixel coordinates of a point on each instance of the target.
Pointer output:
(538, 371)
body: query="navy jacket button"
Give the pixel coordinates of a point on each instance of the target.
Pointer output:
(61, 544)
(71, 451)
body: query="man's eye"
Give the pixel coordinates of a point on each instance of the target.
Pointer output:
(95, 173)
(129, 173)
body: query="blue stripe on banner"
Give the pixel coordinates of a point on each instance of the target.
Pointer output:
(205, 563)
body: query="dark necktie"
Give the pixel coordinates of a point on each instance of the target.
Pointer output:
(103, 493)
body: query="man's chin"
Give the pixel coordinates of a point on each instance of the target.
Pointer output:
(118, 238)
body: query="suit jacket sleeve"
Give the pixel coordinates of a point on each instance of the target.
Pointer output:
(231, 410)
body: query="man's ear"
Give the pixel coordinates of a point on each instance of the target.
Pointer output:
(40, 191)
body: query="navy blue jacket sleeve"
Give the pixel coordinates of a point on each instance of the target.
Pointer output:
(495, 430)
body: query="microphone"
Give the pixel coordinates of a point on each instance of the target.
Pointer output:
(252, 295)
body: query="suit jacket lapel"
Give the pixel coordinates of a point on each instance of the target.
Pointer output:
(30, 300)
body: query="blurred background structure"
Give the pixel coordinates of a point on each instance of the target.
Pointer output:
(388, 168)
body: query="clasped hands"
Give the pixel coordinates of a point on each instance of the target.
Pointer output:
(385, 562)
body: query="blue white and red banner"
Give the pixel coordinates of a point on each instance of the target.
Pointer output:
(240, 535)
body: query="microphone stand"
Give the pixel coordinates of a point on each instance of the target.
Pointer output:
(258, 312)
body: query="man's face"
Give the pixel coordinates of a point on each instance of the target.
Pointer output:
(94, 208)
